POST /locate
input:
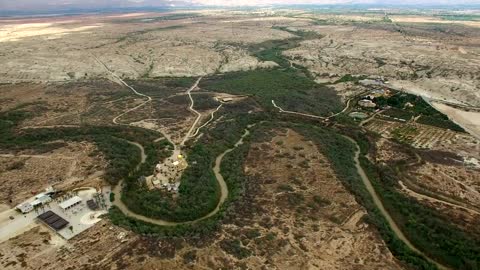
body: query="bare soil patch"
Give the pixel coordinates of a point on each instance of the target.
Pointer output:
(23, 175)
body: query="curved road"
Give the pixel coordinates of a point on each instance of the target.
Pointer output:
(190, 108)
(376, 199)
(149, 99)
(381, 207)
(297, 113)
(223, 190)
(206, 123)
(420, 196)
(223, 185)
(311, 115)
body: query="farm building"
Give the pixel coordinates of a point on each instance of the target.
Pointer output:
(358, 115)
(367, 103)
(70, 203)
(40, 199)
(25, 207)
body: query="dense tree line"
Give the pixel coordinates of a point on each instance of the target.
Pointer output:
(199, 192)
(286, 87)
(425, 227)
(340, 153)
(291, 86)
(205, 102)
(272, 50)
(231, 170)
(111, 141)
(197, 196)
(406, 106)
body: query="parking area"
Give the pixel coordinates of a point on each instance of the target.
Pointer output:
(79, 216)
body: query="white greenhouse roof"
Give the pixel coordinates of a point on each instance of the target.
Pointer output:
(66, 204)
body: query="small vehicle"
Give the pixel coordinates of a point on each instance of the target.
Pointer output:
(11, 217)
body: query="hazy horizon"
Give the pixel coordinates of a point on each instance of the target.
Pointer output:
(58, 5)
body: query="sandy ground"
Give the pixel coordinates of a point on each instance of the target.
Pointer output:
(426, 19)
(279, 225)
(20, 31)
(423, 54)
(442, 170)
(470, 121)
(340, 238)
(417, 58)
(132, 47)
(64, 168)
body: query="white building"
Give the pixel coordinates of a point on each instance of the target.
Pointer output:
(25, 207)
(40, 199)
(367, 103)
(70, 203)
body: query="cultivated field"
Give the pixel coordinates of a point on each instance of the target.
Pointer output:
(418, 135)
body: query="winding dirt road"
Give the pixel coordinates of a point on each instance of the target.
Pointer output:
(190, 108)
(311, 115)
(212, 115)
(297, 113)
(376, 199)
(115, 76)
(221, 182)
(421, 197)
(381, 207)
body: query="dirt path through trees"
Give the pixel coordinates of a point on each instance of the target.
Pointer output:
(379, 204)
(118, 188)
(223, 188)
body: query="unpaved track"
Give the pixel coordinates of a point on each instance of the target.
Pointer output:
(223, 190)
(381, 207)
(127, 111)
(51, 126)
(149, 99)
(420, 197)
(190, 108)
(342, 111)
(143, 156)
(378, 203)
(297, 113)
(311, 115)
(206, 123)
(218, 175)
(118, 188)
(38, 156)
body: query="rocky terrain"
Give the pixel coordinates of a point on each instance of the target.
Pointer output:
(142, 45)
(296, 215)
(124, 90)
(416, 58)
